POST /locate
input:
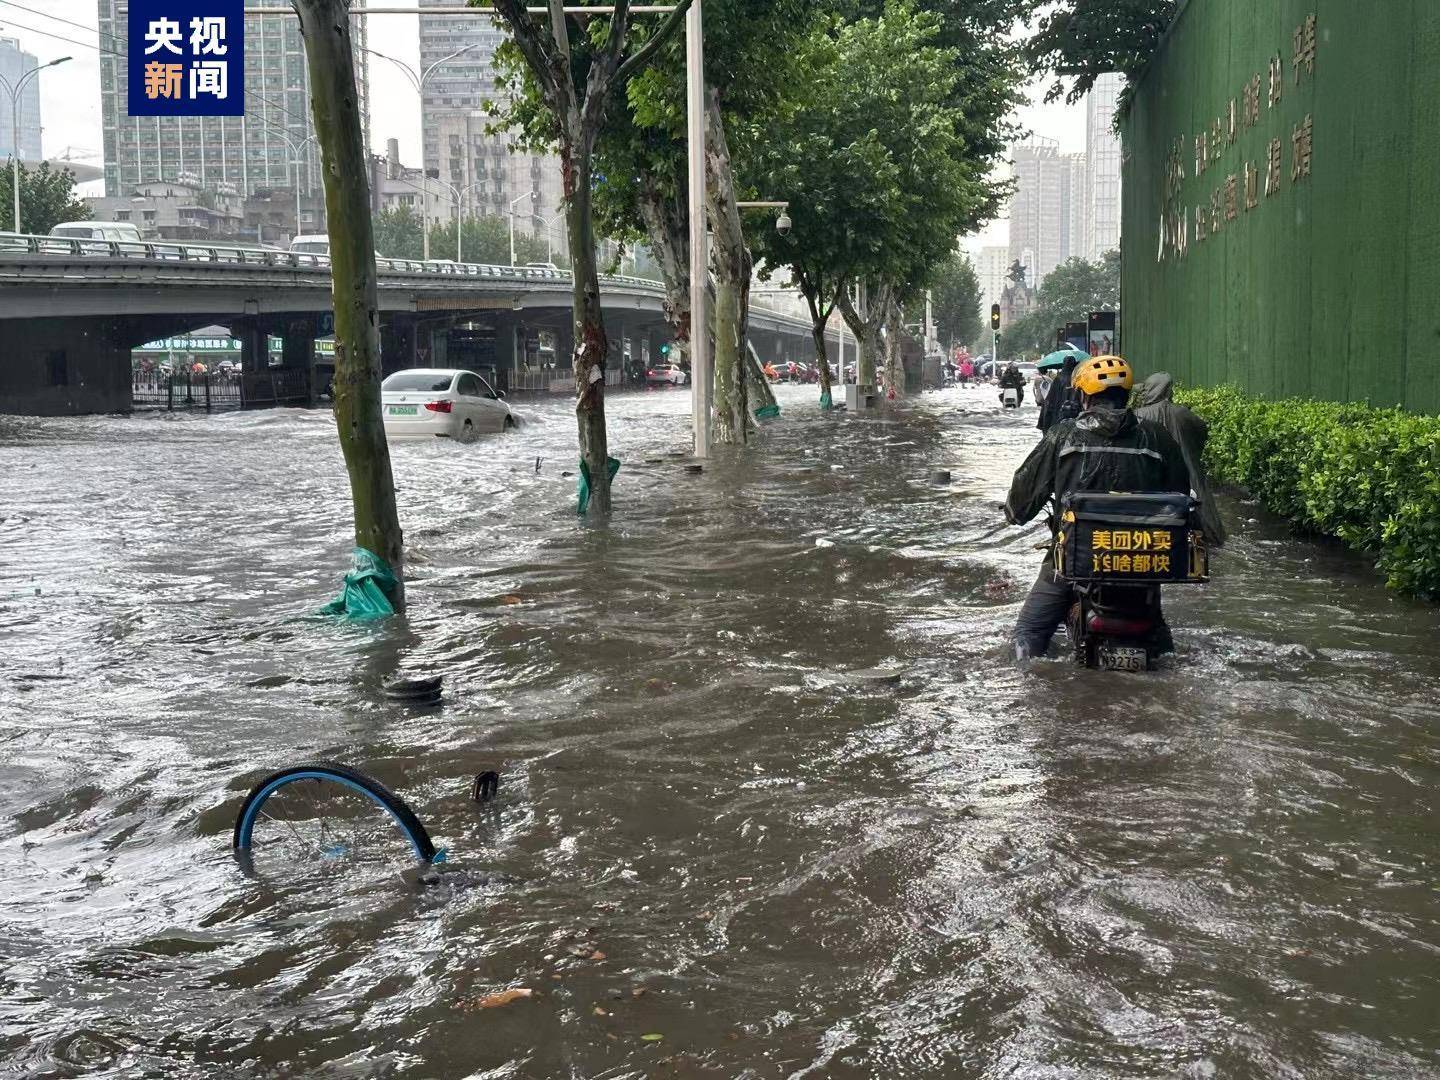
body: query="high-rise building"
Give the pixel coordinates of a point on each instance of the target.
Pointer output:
(483, 169)
(1102, 153)
(991, 266)
(1047, 213)
(270, 148)
(15, 62)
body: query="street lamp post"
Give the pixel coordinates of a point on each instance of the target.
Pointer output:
(297, 152)
(14, 92)
(418, 80)
(549, 224)
(535, 195)
(700, 377)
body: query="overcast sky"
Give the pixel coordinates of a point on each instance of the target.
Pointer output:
(70, 95)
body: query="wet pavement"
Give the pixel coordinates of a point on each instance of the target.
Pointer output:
(771, 788)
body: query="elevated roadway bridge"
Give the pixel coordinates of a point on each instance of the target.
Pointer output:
(71, 312)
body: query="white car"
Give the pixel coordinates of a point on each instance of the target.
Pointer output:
(442, 402)
(673, 374)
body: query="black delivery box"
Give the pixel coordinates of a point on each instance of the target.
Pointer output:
(1130, 539)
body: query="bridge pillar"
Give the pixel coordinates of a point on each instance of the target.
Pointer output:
(298, 352)
(399, 342)
(65, 367)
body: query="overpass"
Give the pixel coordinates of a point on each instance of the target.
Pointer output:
(72, 310)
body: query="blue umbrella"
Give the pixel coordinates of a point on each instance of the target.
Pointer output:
(1057, 359)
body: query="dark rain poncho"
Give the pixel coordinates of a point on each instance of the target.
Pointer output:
(1063, 400)
(1101, 450)
(1191, 433)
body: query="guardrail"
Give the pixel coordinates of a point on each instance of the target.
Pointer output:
(235, 255)
(180, 251)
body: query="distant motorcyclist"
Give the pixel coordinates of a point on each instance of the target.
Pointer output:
(1011, 379)
(1106, 448)
(1191, 433)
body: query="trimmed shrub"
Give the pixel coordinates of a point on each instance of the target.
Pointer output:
(1370, 477)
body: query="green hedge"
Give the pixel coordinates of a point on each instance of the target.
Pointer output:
(1368, 476)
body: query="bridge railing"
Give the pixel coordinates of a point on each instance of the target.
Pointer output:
(19, 244)
(188, 252)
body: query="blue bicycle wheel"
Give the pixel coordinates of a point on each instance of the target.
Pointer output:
(328, 814)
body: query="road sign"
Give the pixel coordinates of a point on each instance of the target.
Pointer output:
(187, 57)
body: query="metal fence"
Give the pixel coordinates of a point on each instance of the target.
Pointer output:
(186, 390)
(211, 390)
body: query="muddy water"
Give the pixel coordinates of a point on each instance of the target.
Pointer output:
(771, 788)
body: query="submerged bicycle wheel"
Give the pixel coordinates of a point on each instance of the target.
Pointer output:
(324, 816)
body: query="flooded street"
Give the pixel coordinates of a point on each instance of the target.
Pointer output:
(771, 786)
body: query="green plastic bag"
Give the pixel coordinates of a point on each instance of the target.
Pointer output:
(368, 589)
(611, 464)
(767, 412)
(825, 401)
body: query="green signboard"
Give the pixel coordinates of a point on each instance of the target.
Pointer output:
(1281, 222)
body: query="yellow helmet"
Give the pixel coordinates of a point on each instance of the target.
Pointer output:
(1101, 373)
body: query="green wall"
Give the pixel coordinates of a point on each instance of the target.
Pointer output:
(1330, 287)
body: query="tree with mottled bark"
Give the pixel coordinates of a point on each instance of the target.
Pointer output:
(325, 28)
(878, 175)
(576, 69)
(641, 154)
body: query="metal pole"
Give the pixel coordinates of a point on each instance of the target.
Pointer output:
(699, 268)
(296, 161)
(15, 160)
(929, 326)
(424, 211)
(512, 234)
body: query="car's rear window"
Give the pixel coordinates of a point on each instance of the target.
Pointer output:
(417, 380)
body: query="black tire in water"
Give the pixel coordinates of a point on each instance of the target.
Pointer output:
(348, 778)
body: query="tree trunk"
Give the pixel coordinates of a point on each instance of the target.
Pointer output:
(730, 264)
(894, 357)
(591, 344)
(666, 226)
(822, 358)
(761, 393)
(325, 27)
(865, 321)
(819, 319)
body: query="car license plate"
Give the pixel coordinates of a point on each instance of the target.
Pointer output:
(1122, 658)
(402, 410)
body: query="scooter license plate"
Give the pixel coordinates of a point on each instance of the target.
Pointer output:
(1123, 658)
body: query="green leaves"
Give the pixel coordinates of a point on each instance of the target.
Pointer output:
(47, 197)
(1370, 477)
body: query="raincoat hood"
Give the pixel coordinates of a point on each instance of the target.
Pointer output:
(1108, 423)
(1157, 388)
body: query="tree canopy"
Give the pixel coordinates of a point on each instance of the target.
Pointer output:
(873, 162)
(47, 197)
(955, 300)
(1084, 39)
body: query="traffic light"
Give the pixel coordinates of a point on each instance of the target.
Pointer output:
(665, 349)
(994, 316)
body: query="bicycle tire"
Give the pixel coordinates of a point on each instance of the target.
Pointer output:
(404, 817)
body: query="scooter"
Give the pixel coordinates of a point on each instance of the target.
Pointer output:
(1010, 397)
(1117, 627)
(1116, 550)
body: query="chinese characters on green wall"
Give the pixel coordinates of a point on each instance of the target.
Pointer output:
(1238, 192)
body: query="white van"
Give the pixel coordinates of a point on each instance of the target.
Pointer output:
(311, 244)
(98, 230)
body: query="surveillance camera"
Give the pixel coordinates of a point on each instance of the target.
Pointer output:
(782, 224)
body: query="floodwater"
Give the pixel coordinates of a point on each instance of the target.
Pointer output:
(771, 788)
